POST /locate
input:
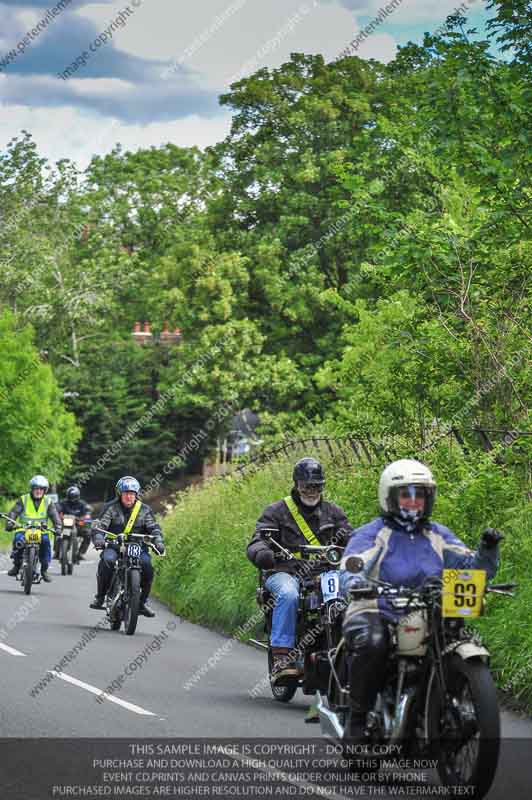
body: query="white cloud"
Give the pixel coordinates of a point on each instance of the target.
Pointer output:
(215, 43)
(380, 46)
(71, 133)
(410, 11)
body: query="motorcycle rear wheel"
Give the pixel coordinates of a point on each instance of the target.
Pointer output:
(464, 727)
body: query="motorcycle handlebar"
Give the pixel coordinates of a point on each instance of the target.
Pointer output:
(36, 524)
(147, 538)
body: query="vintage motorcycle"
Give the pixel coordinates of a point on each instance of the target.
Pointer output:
(319, 616)
(68, 545)
(30, 572)
(123, 597)
(438, 696)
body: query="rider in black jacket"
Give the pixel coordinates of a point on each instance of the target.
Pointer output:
(114, 519)
(74, 505)
(326, 521)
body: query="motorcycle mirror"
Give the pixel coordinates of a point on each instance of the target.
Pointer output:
(354, 564)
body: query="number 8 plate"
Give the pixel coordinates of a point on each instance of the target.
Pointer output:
(463, 591)
(134, 550)
(330, 585)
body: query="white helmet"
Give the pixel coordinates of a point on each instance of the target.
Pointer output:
(405, 472)
(39, 482)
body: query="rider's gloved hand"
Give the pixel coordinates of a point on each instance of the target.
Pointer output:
(490, 538)
(159, 546)
(10, 525)
(265, 559)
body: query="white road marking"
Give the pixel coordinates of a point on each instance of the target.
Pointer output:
(11, 650)
(95, 690)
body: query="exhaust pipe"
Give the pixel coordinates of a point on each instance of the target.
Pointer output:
(329, 721)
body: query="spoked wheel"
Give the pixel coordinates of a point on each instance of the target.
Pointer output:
(132, 602)
(27, 574)
(284, 693)
(464, 727)
(115, 617)
(73, 555)
(65, 544)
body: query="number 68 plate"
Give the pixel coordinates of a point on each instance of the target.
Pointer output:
(463, 591)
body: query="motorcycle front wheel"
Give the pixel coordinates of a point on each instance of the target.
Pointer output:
(464, 727)
(27, 571)
(132, 601)
(65, 544)
(73, 555)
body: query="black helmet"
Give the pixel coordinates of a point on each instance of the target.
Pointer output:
(73, 493)
(309, 470)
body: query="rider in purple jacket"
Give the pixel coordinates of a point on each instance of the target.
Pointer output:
(403, 547)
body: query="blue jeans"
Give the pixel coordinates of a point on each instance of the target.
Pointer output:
(285, 589)
(45, 551)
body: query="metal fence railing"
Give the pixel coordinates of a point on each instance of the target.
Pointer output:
(349, 450)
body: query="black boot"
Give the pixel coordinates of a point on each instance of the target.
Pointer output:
(99, 598)
(143, 608)
(14, 570)
(44, 574)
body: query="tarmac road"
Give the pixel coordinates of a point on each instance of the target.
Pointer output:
(56, 661)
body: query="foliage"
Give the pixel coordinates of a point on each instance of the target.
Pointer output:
(38, 435)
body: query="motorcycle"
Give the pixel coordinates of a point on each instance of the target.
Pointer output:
(68, 546)
(123, 598)
(438, 696)
(30, 572)
(319, 616)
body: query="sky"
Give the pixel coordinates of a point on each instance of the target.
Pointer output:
(147, 72)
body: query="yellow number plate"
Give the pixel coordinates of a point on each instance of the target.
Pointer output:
(33, 537)
(463, 591)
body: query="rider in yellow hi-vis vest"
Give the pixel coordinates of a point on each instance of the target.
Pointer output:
(301, 518)
(34, 506)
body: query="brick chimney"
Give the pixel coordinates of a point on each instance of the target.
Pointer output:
(170, 338)
(142, 336)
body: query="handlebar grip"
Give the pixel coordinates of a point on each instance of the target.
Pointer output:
(503, 587)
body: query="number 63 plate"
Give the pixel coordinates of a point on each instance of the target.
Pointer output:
(463, 591)
(134, 550)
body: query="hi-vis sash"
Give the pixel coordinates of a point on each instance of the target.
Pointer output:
(301, 524)
(133, 517)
